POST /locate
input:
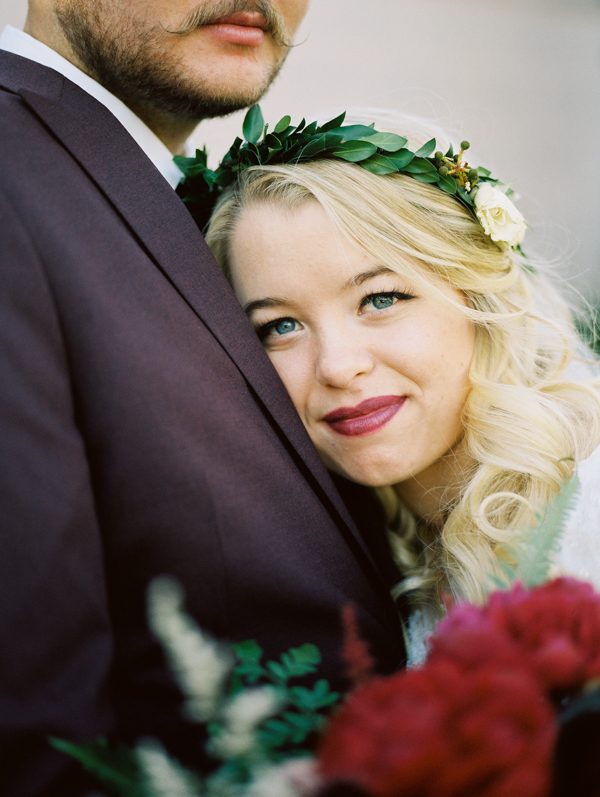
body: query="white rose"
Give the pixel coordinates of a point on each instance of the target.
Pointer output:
(499, 217)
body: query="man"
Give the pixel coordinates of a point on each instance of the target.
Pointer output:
(142, 429)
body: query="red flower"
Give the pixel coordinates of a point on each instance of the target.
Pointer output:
(554, 630)
(470, 640)
(437, 732)
(355, 651)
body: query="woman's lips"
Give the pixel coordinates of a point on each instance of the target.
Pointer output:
(246, 28)
(366, 417)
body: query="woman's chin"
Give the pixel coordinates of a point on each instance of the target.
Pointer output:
(368, 476)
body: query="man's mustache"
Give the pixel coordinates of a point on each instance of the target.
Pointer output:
(209, 13)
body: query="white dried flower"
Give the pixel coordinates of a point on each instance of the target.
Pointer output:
(232, 743)
(162, 776)
(297, 778)
(499, 216)
(241, 718)
(249, 709)
(199, 664)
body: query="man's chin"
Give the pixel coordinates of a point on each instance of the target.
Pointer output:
(208, 105)
(240, 82)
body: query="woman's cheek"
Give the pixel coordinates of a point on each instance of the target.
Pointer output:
(292, 373)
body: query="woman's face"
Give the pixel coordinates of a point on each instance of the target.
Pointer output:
(377, 369)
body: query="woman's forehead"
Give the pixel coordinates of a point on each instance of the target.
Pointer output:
(275, 245)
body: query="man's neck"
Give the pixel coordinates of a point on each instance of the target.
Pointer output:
(50, 33)
(173, 133)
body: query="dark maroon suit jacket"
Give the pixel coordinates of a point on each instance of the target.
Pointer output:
(142, 431)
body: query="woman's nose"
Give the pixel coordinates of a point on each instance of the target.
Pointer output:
(341, 359)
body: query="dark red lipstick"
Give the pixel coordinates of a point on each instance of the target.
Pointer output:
(366, 417)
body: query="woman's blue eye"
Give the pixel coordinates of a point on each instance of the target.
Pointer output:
(284, 326)
(281, 326)
(381, 301)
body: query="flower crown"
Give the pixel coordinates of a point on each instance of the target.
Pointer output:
(379, 153)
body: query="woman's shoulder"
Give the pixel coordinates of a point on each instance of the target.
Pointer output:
(579, 550)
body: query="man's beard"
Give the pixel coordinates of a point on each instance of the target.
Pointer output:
(128, 60)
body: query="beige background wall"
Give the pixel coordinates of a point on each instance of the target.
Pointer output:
(519, 78)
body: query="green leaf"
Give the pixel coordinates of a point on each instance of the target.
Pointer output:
(115, 767)
(275, 733)
(354, 132)
(304, 659)
(250, 672)
(466, 197)
(319, 145)
(311, 700)
(282, 124)
(223, 179)
(292, 729)
(448, 184)
(426, 177)
(427, 149)
(534, 551)
(321, 688)
(250, 155)
(379, 164)
(388, 142)
(272, 141)
(254, 124)
(292, 153)
(186, 165)
(248, 651)
(302, 721)
(300, 726)
(333, 123)
(420, 166)
(316, 146)
(277, 671)
(402, 158)
(355, 151)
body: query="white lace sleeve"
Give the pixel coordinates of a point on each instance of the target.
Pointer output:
(419, 628)
(579, 551)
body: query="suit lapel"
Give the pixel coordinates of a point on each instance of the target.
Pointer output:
(165, 229)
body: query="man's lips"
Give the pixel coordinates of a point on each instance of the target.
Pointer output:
(246, 28)
(366, 417)
(247, 19)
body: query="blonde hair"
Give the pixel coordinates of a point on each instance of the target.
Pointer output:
(527, 419)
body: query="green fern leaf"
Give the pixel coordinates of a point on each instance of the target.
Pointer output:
(534, 553)
(115, 767)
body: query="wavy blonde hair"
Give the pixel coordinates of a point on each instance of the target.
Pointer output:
(527, 420)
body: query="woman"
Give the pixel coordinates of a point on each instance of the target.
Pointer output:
(426, 356)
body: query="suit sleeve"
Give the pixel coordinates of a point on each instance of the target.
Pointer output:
(55, 637)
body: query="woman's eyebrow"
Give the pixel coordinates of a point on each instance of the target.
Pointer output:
(358, 279)
(353, 282)
(258, 304)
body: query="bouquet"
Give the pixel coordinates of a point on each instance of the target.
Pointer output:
(507, 704)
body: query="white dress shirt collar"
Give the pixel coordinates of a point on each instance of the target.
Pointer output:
(21, 43)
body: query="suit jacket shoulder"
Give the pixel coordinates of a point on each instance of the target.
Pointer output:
(146, 434)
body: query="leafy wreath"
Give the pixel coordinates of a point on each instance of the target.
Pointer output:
(377, 152)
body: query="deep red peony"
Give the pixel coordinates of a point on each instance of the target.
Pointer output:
(437, 732)
(553, 629)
